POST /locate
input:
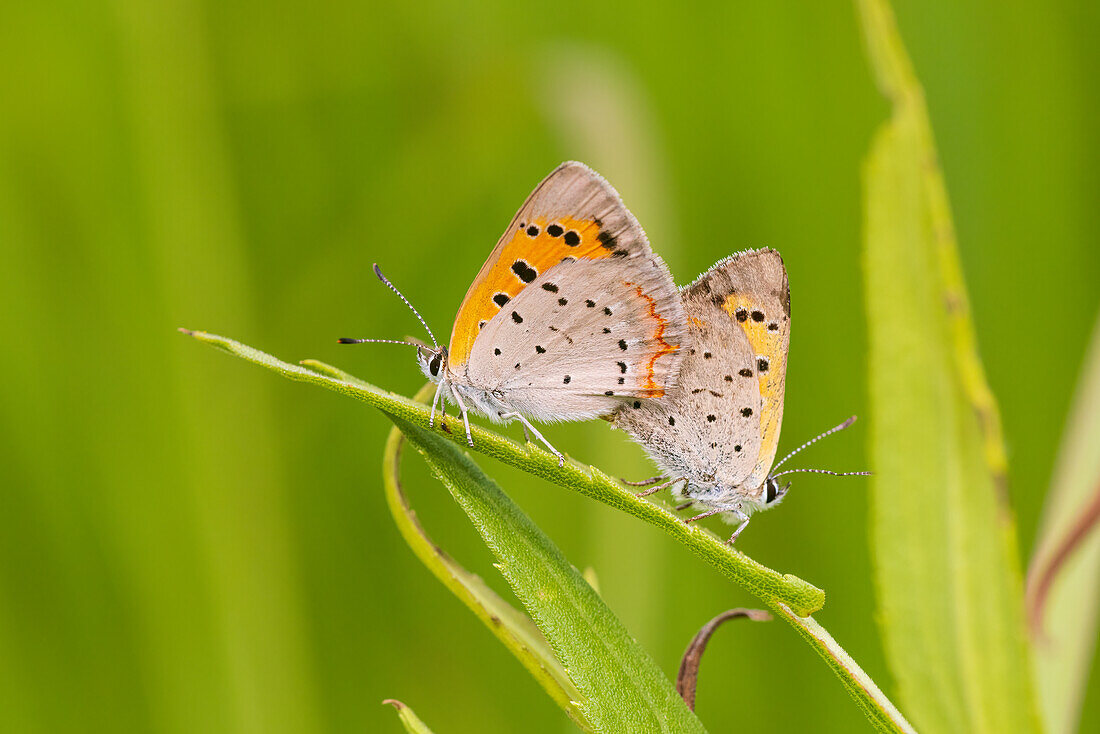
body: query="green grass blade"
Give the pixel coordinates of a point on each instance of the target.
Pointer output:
(881, 712)
(767, 584)
(947, 577)
(511, 626)
(622, 689)
(1064, 618)
(408, 717)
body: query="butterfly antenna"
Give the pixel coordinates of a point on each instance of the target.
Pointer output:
(823, 471)
(392, 287)
(814, 440)
(345, 340)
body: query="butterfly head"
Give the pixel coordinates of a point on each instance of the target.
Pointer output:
(432, 361)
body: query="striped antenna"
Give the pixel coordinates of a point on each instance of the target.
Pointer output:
(814, 440)
(392, 287)
(823, 471)
(345, 340)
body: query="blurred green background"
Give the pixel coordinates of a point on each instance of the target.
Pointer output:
(188, 543)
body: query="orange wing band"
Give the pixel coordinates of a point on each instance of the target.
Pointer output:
(654, 390)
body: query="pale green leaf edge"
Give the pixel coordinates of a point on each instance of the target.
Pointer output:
(622, 688)
(881, 712)
(408, 718)
(1065, 646)
(765, 583)
(511, 626)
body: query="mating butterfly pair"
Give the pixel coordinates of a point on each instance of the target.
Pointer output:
(574, 317)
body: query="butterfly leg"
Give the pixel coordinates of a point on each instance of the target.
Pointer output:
(465, 419)
(708, 513)
(744, 522)
(685, 505)
(658, 488)
(643, 483)
(527, 426)
(435, 401)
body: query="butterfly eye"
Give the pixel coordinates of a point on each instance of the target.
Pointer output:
(773, 490)
(433, 367)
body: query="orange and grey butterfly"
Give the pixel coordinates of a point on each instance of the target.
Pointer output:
(718, 430)
(571, 314)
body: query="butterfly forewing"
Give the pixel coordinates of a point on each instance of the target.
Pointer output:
(760, 303)
(573, 215)
(584, 336)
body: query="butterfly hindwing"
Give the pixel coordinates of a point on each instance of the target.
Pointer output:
(573, 215)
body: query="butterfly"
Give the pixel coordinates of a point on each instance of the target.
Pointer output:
(716, 432)
(571, 314)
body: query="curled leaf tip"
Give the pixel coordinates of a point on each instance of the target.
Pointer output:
(688, 676)
(182, 330)
(395, 703)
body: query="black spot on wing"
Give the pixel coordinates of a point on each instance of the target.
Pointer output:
(501, 298)
(607, 240)
(550, 287)
(523, 271)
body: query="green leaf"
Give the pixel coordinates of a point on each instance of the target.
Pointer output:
(622, 689)
(412, 722)
(946, 571)
(511, 626)
(1064, 583)
(766, 584)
